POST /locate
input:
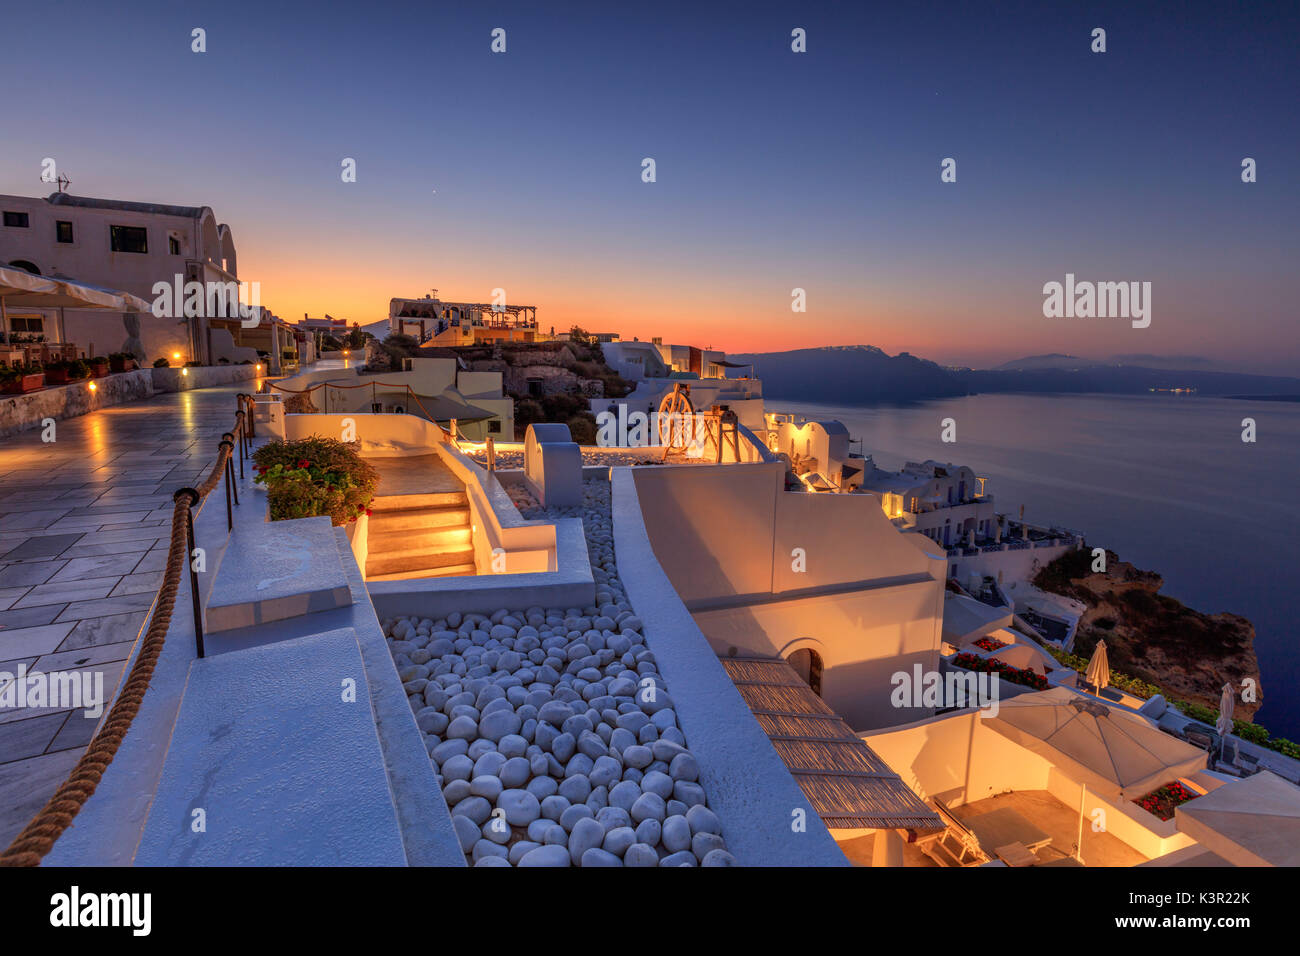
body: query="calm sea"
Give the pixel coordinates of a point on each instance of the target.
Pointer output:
(1164, 481)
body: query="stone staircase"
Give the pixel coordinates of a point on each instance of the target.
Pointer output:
(419, 536)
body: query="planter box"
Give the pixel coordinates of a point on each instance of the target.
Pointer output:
(28, 383)
(98, 369)
(56, 376)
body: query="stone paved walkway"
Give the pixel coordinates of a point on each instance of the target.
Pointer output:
(84, 526)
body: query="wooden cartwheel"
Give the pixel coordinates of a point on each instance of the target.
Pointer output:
(675, 410)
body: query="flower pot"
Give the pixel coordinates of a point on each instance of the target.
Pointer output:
(98, 368)
(56, 376)
(27, 383)
(117, 364)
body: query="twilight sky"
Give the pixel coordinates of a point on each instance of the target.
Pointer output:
(775, 170)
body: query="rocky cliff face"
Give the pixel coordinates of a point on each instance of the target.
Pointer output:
(1155, 637)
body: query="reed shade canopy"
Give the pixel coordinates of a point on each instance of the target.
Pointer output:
(846, 782)
(1116, 752)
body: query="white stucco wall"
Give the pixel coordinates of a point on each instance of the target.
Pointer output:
(749, 788)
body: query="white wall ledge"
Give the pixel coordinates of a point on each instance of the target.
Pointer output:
(748, 785)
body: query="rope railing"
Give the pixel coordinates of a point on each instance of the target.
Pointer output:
(39, 836)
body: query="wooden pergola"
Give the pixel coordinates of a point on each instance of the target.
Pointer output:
(848, 784)
(490, 315)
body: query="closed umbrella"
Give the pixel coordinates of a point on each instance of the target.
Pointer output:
(1224, 724)
(1098, 672)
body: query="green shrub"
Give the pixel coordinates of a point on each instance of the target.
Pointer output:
(1248, 731)
(315, 476)
(528, 411)
(161, 363)
(11, 373)
(582, 428)
(560, 407)
(1284, 746)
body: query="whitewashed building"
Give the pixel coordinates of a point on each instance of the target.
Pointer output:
(128, 246)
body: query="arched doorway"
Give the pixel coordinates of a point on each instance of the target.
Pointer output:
(807, 663)
(26, 266)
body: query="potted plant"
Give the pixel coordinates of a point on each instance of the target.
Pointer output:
(77, 370)
(18, 379)
(56, 373)
(315, 476)
(161, 363)
(98, 366)
(117, 362)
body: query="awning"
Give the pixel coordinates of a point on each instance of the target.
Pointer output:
(21, 289)
(848, 784)
(966, 620)
(443, 408)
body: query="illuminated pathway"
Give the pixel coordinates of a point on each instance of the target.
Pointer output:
(84, 525)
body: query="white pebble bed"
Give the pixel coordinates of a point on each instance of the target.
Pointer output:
(552, 732)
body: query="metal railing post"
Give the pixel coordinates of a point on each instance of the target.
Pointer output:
(230, 515)
(189, 558)
(252, 425)
(230, 470)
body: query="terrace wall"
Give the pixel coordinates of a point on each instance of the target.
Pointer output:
(19, 413)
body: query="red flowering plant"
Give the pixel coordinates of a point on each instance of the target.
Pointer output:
(990, 644)
(1016, 675)
(315, 476)
(1162, 801)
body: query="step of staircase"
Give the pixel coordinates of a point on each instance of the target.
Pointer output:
(433, 499)
(409, 519)
(273, 570)
(312, 793)
(430, 539)
(452, 571)
(416, 559)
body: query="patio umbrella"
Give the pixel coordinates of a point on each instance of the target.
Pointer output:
(1116, 752)
(1098, 672)
(1254, 821)
(20, 288)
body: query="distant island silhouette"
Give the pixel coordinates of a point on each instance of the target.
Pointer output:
(863, 374)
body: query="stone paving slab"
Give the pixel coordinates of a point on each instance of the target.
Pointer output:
(84, 526)
(315, 792)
